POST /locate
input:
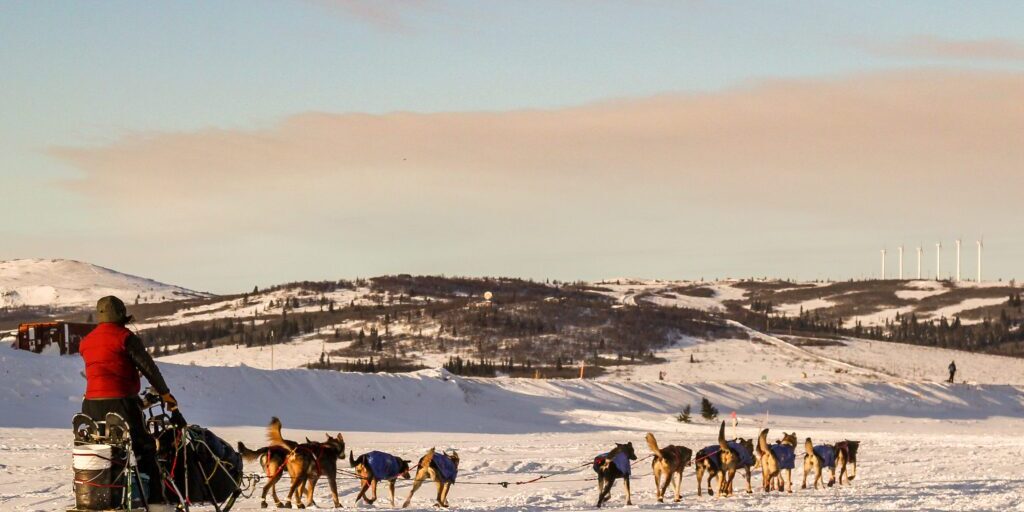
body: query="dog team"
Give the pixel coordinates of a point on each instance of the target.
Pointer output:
(307, 462)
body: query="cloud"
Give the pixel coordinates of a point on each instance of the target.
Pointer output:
(932, 47)
(857, 150)
(383, 14)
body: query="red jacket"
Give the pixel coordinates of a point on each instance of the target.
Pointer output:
(109, 370)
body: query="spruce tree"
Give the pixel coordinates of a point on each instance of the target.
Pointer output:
(684, 417)
(708, 411)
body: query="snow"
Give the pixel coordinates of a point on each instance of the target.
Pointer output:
(805, 306)
(258, 305)
(69, 283)
(920, 289)
(662, 293)
(967, 305)
(296, 353)
(924, 442)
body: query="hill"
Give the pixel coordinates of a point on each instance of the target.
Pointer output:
(57, 283)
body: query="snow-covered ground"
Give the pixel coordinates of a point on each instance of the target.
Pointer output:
(39, 282)
(927, 445)
(664, 293)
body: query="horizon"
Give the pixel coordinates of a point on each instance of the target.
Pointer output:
(217, 148)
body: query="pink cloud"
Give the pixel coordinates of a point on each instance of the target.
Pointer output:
(862, 147)
(932, 47)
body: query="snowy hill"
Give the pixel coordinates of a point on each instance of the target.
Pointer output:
(70, 283)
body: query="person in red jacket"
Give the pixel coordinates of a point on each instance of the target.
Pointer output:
(114, 359)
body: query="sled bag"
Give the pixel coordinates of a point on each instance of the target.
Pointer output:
(204, 467)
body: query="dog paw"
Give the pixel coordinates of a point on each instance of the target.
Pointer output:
(263, 505)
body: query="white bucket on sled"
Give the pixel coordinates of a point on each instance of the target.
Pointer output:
(91, 456)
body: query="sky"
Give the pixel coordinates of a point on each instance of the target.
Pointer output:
(221, 145)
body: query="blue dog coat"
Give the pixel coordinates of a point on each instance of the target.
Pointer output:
(713, 459)
(621, 462)
(785, 455)
(445, 467)
(384, 466)
(826, 454)
(746, 458)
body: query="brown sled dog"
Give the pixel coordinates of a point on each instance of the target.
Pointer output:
(774, 476)
(272, 459)
(847, 455)
(668, 465)
(610, 466)
(428, 469)
(732, 461)
(307, 462)
(815, 460)
(369, 480)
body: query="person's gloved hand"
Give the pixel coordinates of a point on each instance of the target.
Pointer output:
(169, 402)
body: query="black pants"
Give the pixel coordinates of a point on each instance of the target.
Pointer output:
(130, 408)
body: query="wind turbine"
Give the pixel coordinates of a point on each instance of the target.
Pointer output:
(901, 263)
(938, 261)
(883, 264)
(981, 245)
(958, 260)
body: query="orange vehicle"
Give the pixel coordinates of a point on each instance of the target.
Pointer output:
(42, 337)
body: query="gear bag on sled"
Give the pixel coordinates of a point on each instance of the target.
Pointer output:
(203, 467)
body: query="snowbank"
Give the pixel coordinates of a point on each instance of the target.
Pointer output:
(45, 391)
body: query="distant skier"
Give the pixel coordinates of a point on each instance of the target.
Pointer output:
(114, 358)
(952, 371)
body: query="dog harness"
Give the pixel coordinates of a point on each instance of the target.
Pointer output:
(383, 466)
(785, 455)
(711, 454)
(446, 467)
(826, 454)
(621, 461)
(746, 458)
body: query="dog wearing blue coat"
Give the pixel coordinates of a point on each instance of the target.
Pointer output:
(374, 467)
(777, 461)
(442, 468)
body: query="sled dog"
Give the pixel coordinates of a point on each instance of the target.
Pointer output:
(442, 468)
(612, 465)
(374, 467)
(777, 461)
(816, 458)
(668, 465)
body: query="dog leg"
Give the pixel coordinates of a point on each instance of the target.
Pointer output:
(373, 487)
(678, 483)
(832, 477)
(657, 485)
(806, 471)
(700, 477)
(750, 490)
(332, 482)
(445, 489)
(789, 481)
(391, 492)
(416, 483)
(629, 494)
(362, 491)
(310, 486)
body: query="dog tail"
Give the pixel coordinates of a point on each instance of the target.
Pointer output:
(652, 443)
(762, 443)
(351, 459)
(426, 459)
(275, 437)
(721, 438)
(808, 447)
(250, 455)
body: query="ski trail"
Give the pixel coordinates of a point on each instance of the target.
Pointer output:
(778, 342)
